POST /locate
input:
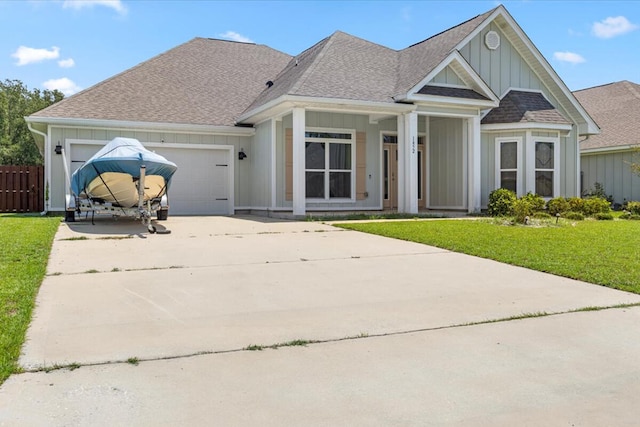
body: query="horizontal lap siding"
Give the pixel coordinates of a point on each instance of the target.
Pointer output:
(21, 189)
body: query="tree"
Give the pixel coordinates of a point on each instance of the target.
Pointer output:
(17, 146)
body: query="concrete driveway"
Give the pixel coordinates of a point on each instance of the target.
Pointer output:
(401, 333)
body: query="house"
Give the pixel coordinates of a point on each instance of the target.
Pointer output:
(606, 158)
(345, 125)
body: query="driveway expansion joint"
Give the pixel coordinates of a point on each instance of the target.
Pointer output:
(306, 342)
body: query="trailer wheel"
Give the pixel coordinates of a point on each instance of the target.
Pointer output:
(162, 214)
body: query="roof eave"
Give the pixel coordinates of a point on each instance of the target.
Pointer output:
(447, 100)
(496, 127)
(610, 149)
(285, 103)
(149, 126)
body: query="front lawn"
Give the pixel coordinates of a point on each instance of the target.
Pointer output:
(25, 243)
(602, 252)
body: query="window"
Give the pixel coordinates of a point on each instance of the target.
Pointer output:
(508, 164)
(329, 165)
(545, 168)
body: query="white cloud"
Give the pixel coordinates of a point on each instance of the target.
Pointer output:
(64, 85)
(81, 4)
(66, 63)
(232, 35)
(571, 57)
(29, 55)
(612, 26)
(406, 13)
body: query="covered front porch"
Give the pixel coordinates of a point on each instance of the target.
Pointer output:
(423, 159)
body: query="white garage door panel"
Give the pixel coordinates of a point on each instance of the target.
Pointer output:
(199, 187)
(201, 184)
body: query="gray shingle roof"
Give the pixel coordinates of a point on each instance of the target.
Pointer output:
(203, 81)
(616, 109)
(524, 107)
(418, 60)
(213, 82)
(347, 67)
(451, 91)
(340, 66)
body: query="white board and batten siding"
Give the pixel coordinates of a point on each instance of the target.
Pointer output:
(202, 185)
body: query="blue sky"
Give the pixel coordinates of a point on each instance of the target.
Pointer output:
(72, 45)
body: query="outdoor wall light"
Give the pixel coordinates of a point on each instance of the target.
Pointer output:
(58, 148)
(241, 154)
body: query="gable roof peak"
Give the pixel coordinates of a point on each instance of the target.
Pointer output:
(483, 15)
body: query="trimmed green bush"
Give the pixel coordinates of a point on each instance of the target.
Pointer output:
(629, 215)
(603, 216)
(575, 204)
(559, 205)
(501, 202)
(542, 215)
(633, 207)
(594, 205)
(575, 216)
(537, 202)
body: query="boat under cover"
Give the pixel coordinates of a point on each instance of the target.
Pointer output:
(112, 173)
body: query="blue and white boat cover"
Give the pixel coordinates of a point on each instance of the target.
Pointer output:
(123, 155)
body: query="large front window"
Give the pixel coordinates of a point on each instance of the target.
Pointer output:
(329, 165)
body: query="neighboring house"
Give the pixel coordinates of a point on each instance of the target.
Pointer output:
(605, 158)
(345, 125)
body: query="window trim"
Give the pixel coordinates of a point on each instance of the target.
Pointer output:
(531, 163)
(327, 170)
(519, 175)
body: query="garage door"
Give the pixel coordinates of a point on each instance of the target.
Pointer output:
(201, 184)
(199, 187)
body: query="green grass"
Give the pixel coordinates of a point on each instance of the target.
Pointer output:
(602, 252)
(368, 216)
(25, 243)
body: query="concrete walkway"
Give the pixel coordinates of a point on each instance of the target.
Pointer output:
(186, 304)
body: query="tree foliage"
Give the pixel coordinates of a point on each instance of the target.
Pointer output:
(17, 146)
(635, 165)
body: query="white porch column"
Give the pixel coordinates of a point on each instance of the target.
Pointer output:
(401, 179)
(299, 188)
(473, 164)
(411, 174)
(273, 176)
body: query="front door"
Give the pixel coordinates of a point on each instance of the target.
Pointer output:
(390, 182)
(390, 172)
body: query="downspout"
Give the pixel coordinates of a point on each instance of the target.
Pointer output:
(47, 167)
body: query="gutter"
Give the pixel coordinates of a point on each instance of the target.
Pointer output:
(47, 148)
(610, 149)
(146, 126)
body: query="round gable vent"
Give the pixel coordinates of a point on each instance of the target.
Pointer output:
(492, 40)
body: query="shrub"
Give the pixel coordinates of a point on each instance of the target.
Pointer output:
(594, 205)
(537, 202)
(575, 216)
(501, 202)
(575, 204)
(599, 192)
(633, 207)
(604, 216)
(559, 205)
(542, 215)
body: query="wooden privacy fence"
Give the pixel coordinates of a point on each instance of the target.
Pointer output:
(21, 189)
